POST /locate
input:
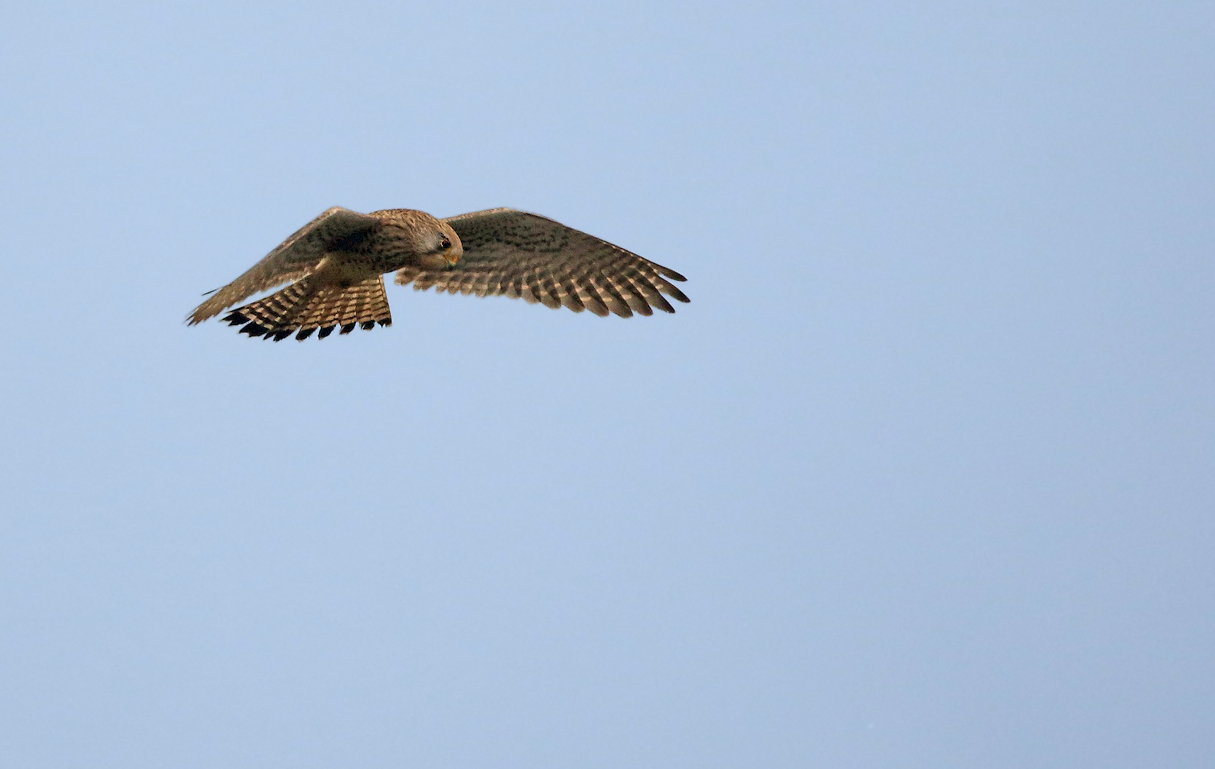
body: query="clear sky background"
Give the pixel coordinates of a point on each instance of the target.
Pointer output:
(924, 475)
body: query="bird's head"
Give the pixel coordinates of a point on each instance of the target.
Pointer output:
(433, 243)
(447, 244)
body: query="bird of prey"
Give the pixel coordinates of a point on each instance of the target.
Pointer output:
(336, 262)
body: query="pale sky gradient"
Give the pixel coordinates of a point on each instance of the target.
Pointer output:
(923, 477)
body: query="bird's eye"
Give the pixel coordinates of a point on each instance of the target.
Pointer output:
(444, 244)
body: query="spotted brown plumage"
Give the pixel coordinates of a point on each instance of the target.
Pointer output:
(521, 255)
(336, 262)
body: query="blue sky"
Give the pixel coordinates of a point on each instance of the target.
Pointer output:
(921, 477)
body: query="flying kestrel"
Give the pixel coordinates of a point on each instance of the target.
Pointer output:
(336, 263)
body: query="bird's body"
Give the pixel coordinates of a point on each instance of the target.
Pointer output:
(336, 261)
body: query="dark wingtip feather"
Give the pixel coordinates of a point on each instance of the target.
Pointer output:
(660, 301)
(326, 331)
(253, 329)
(597, 307)
(348, 327)
(282, 334)
(638, 304)
(676, 294)
(367, 325)
(305, 333)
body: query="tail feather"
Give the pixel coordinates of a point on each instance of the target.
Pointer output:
(303, 308)
(363, 304)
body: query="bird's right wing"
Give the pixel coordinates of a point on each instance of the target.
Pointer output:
(293, 259)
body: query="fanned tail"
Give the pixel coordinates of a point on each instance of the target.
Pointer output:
(304, 307)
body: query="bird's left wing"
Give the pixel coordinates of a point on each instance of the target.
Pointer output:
(292, 259)
(521, 255)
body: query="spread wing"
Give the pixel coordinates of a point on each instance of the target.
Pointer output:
(517, 254)
(297, 256)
